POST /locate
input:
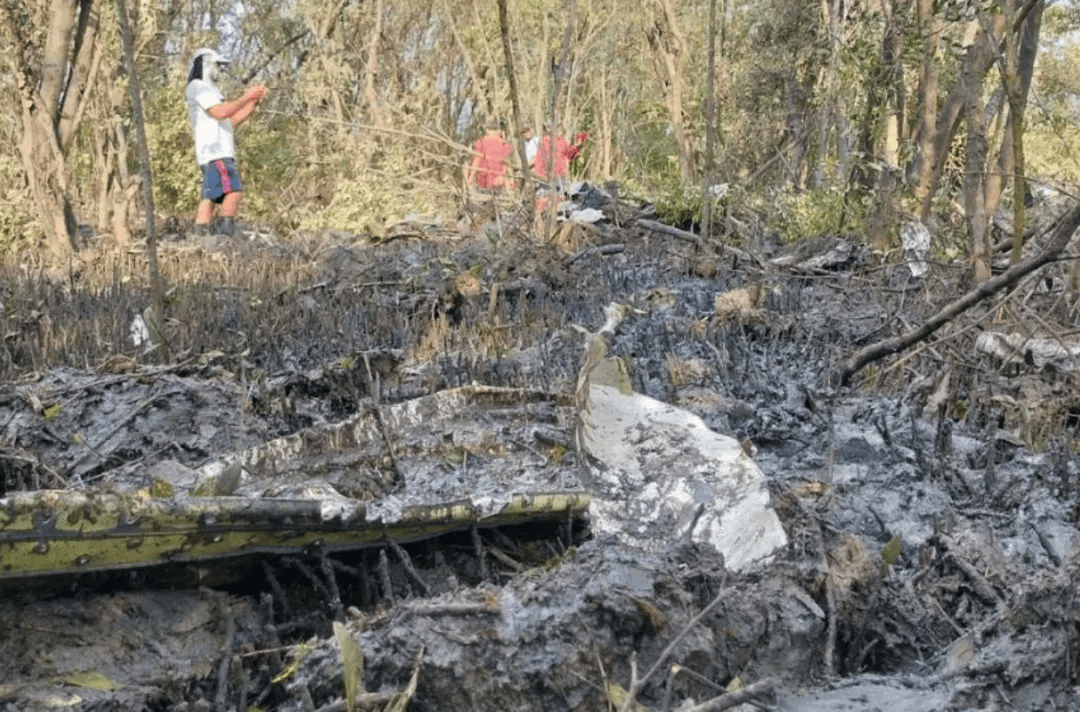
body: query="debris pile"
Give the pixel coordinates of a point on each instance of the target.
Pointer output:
(614, 469)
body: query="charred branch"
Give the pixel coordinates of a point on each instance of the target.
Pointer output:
(1059, 238)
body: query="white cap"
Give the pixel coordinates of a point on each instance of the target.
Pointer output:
(210, 55)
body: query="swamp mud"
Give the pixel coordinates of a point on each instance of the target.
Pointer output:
(233, 482)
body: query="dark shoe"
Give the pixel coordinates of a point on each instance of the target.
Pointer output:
(200, 230)
(226, 226)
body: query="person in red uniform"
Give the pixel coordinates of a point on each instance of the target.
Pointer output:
(487, 171)
(557, 152)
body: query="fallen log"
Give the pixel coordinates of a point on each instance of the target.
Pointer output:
(1061, 233)
(675, 232)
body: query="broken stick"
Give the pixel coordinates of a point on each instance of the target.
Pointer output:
(675, 232)
(406, 563)
(638, 684)
(761, 690)
(979, 584)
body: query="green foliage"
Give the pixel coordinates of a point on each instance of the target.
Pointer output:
(162, 489)
(799, 215)
(959, 409)
(654, 166)
(92, 680)
(653, 155)
(558, 454)
(267, 165)
(1052, 139)
(172, 150)
(400, 701)
(298, 653)
(680, 207)
(950, 238)
(352, 664)
(890, 553)
(368, 189)
(18, 228)
(355, 206)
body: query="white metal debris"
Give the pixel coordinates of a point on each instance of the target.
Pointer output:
(916, 241)
(662, 475)
(1016, 348)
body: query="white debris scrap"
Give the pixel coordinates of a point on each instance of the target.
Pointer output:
(586, 216)
(663, 475)
(1015, 348)
(139, 333)
(916, 241)
(718, 191)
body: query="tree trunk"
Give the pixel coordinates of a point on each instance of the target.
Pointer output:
(926, 137)
(797, 130)
(710, 121)
(883, 219)
(371, 67)
(135, 90)
(668, 59)
(1020, 31)
(833, 126)
(549, 136)
(466, 57)
(1028, 47)
(978, 59)
(558, 73)
(488, 70)
(975, 152)
(119, 186)
(48, 105)
(528, 188)
(47, 172)
(603, 164)
(1021, 46)
(543, 70)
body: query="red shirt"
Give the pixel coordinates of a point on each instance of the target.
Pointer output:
(563, 153)
(489, 165)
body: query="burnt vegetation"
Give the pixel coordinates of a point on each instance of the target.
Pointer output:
(896, 491)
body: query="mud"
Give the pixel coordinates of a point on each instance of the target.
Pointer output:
(930, 509)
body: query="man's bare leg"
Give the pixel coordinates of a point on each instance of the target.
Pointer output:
(230, 206)
(202, 213)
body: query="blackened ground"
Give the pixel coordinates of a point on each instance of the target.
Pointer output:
(931, 509)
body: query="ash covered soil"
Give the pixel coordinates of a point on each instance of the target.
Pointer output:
(929, 507)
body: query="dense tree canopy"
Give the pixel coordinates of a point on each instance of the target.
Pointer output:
(838, 116)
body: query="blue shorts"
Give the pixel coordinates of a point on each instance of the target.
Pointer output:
(219, 178)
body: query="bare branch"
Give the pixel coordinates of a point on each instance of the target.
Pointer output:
(1062, 233)
(762, 689)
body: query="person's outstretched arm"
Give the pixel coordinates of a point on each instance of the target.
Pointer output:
(239, 109)
(242, 115)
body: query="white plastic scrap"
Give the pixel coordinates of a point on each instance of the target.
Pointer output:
(1014, 348)
(586, 216)
(139, 333)
(916, 241)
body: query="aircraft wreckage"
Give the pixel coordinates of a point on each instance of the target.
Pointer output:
(467, 457)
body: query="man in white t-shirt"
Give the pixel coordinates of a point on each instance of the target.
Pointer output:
(212, 121)
(531, 141)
